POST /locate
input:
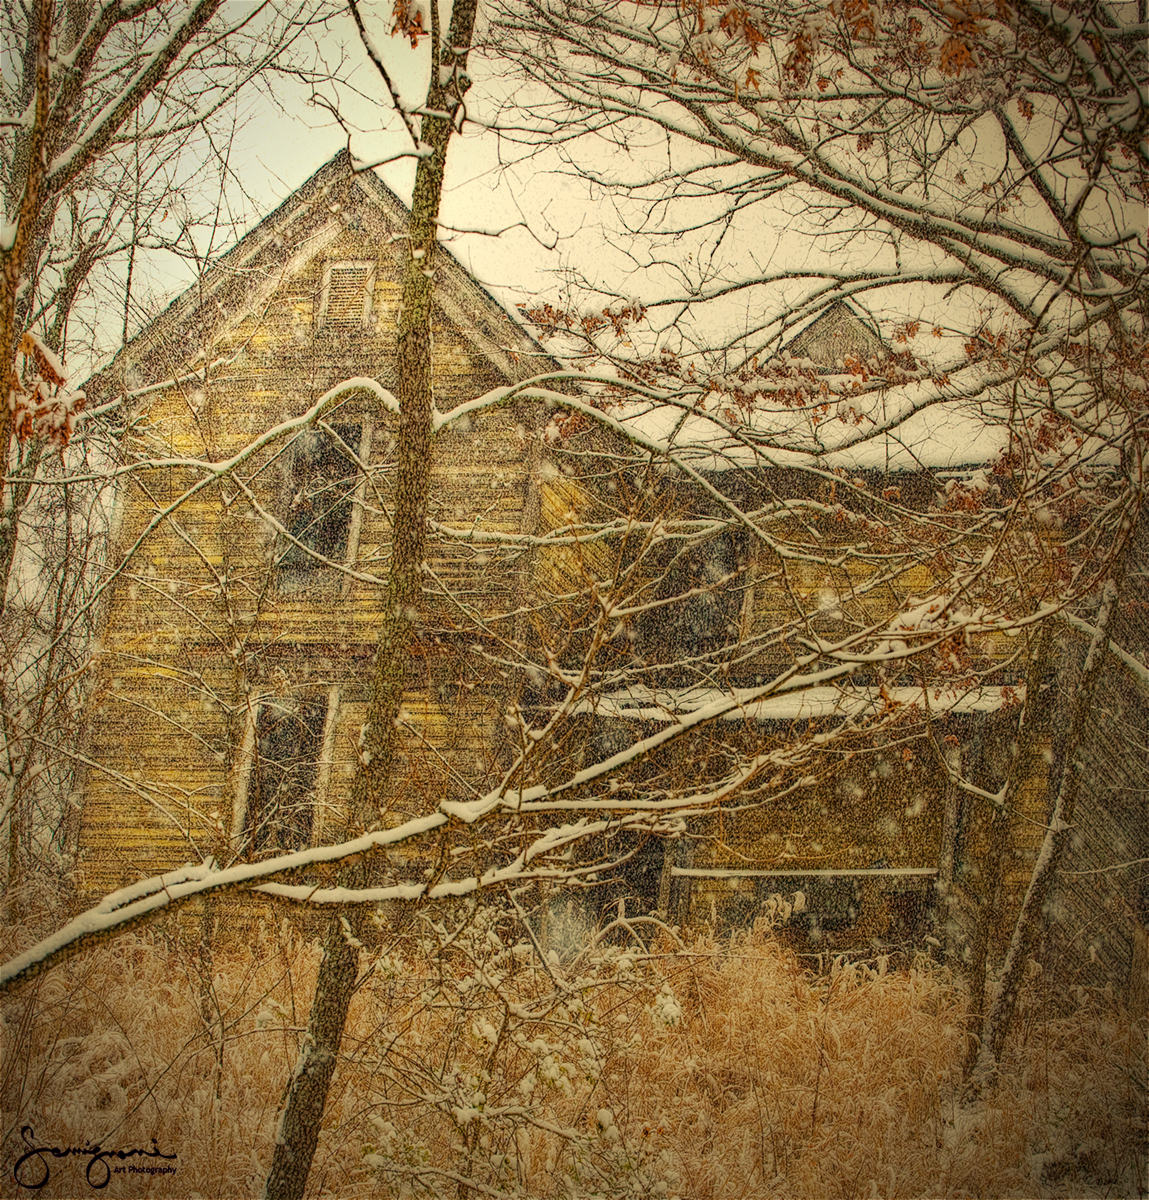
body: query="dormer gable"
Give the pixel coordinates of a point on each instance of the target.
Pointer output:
(839, 333)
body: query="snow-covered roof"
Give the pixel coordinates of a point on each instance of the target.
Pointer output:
(902, 428)
(939, 437)
(642, 703)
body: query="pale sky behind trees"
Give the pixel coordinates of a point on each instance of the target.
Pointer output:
(555, 233)
(276, 149)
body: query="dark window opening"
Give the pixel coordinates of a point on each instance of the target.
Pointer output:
(629, 887)
(635, 882)
(832, 906)
(322, 480)
(911, 916)
(702, 588)
(896, 913)
(281, 795)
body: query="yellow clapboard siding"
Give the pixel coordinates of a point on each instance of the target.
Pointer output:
(278, 366)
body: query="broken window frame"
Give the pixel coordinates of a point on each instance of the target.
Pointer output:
(702, 601)
(330, 532)
(283, 767)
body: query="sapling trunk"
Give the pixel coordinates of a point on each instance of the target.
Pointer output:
(1000, 1014)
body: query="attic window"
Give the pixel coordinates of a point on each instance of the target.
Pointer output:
(345, 302)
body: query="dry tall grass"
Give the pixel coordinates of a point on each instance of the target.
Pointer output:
(710, 1071)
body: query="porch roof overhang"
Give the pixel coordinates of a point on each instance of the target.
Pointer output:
(671, 704)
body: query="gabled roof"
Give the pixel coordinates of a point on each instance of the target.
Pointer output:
(831, 335)
(243, 280)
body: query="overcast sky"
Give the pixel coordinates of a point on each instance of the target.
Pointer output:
(548, 220)
(553, 226)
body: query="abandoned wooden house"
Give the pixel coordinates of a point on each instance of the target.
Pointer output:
(232, 673)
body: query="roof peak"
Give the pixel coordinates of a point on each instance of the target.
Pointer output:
(251, 269)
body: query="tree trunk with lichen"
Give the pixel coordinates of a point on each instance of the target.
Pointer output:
(1036, 720)
(297, 1133)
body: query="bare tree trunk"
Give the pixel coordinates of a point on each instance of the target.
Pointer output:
(298, 1131)
(56, 103)
(13, 264)
(946, 897)
(989, 920)
(1033, 727)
